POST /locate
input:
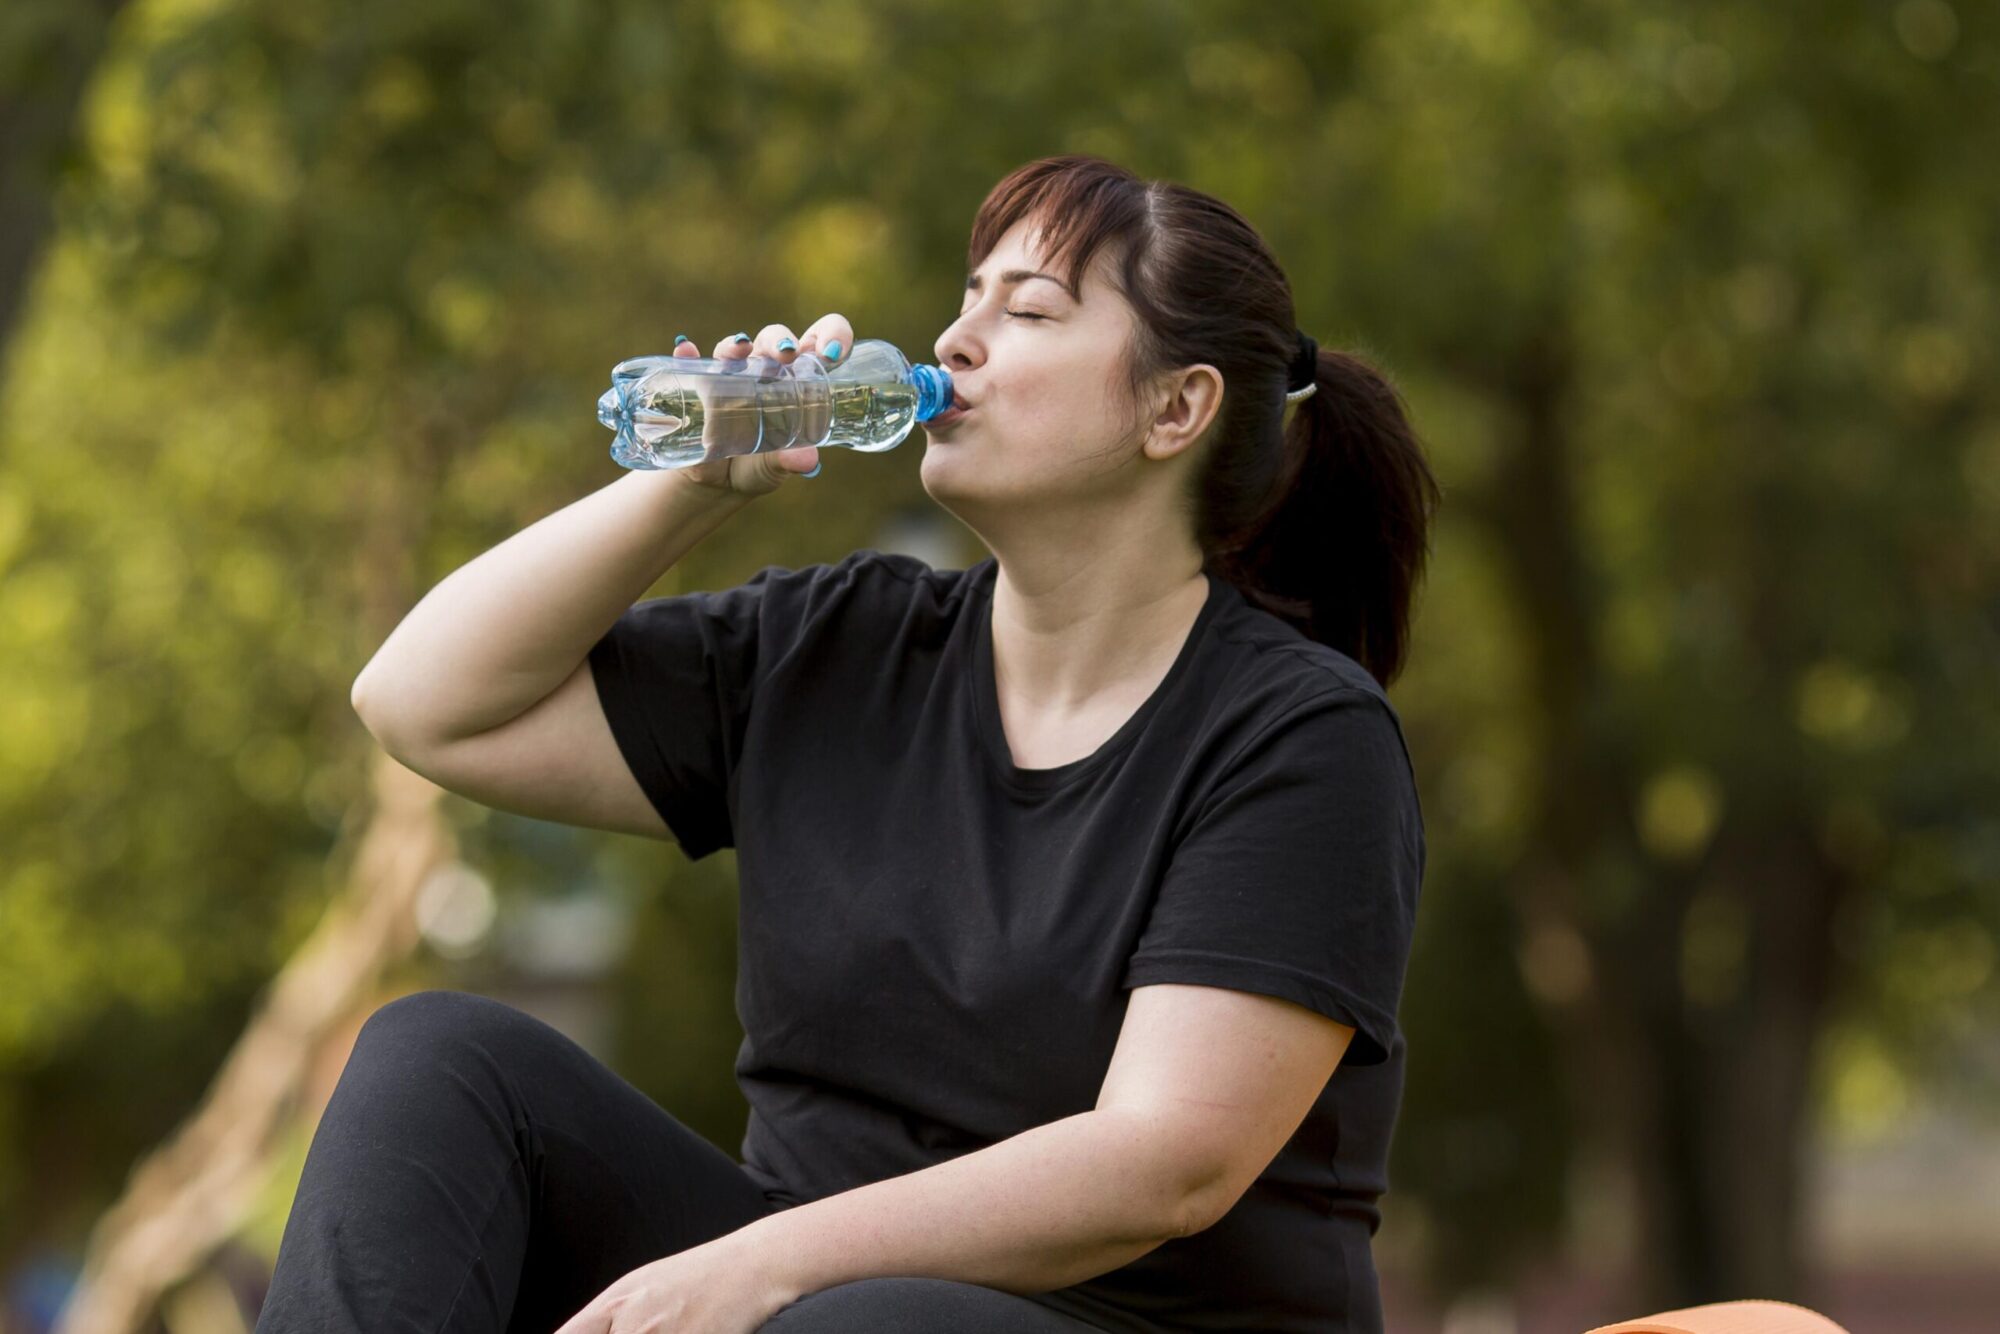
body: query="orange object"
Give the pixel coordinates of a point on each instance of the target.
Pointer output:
(1746, 1317)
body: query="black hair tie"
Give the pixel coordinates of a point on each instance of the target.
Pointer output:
(1303, 375)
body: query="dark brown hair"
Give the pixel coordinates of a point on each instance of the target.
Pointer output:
(1323, 522)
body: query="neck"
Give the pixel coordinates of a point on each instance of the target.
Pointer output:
(1068, 626)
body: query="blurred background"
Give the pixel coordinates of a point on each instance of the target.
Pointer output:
(304, 305)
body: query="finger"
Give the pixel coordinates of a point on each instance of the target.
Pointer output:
(685, 346)
(825, 331)
(803, 460)
(736, 347)
(772, 341)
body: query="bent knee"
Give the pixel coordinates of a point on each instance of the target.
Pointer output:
(438, 1019)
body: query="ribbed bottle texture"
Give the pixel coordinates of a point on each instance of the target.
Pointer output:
(669, 412)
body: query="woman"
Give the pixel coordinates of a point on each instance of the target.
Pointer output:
(1068, 881)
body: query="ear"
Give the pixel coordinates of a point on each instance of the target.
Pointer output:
(1194, 396)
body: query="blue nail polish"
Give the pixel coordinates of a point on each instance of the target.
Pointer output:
(743, 338)
(679, 339)
(833, 350)
(815, 471)
(786, 345)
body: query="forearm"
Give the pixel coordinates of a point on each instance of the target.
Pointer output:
(501, 632)
(1041, 1210)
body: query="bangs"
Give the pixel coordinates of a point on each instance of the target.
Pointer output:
(1078, 204)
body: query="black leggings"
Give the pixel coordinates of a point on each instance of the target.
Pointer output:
(477, 1170)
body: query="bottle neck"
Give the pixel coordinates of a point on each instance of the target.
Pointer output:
(934, 392)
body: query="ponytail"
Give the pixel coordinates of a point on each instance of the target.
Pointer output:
(1341, 542)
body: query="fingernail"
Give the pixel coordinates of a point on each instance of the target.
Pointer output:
(833, 350)
(786, 345)
(742, 338)
(815, 471)
(679, 339)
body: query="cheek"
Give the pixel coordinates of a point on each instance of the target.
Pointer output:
(1038, 417)
(1058, 399)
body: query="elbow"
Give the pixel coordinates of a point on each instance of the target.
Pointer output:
(1184, 1188)
(1194, 1215)
(357, 697)
(1204, 1203)
(369, 711)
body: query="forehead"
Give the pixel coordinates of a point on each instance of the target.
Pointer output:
(1022, 242)
(1017, 258)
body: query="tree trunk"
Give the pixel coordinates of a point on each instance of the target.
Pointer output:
(38, 116)
(1704, 1109)
(1743, 1066)
(192, 1192)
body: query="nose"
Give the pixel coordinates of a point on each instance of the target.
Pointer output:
(955, 348)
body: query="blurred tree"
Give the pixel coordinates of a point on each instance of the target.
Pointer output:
(188, 1196)
(48, 51)
(1710, 291)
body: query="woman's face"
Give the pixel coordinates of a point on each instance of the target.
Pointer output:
(1044, 370)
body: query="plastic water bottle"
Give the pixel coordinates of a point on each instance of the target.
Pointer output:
(669, 412)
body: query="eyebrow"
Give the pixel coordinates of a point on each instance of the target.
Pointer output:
(974, 282)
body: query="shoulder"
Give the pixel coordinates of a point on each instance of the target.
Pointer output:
(1295, 696)
(893, 571)
(865, 575)
(866, 596)
(1277, 673)
(894, 579)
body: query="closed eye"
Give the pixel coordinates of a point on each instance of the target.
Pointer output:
(1024, 315)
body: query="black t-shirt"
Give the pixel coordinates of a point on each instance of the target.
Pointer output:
(935, 944)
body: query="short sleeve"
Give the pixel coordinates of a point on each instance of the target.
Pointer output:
(1299, 874)
(677, 678)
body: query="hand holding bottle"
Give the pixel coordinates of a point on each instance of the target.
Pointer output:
(750, 474)
(768, 395)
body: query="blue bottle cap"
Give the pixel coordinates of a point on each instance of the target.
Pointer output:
(934, 392)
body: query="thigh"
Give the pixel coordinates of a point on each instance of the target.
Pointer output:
(615, 1181)
(918, 1306)
(477, 1169)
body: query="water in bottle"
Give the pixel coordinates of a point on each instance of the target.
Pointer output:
(669, 412)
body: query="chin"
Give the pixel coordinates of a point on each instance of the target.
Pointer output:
(950, 477)
(931, 467)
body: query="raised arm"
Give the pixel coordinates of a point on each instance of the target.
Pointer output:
(485, 687)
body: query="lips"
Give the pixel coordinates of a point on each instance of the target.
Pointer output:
(960, 405)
